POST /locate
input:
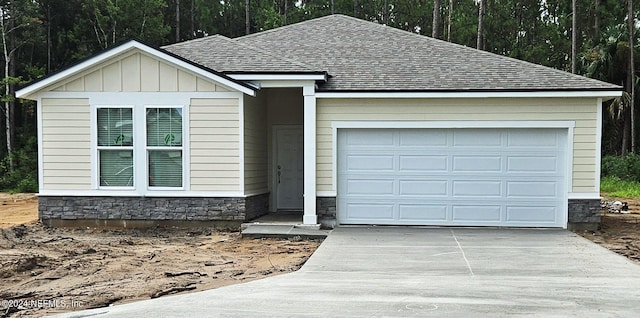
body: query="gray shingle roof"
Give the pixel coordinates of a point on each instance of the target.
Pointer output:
(223, 54)
(365, 56)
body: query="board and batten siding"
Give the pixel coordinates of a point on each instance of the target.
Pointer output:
(255, 144)
(137, 72)
(66, 144)
(214, 139)
(583, 111)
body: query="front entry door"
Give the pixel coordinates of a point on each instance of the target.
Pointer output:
(289, 170)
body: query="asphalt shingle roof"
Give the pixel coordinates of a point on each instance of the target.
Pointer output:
(223, 54)
(366, 56)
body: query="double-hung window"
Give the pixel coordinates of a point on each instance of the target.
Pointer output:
(140, 144)
(115, 146)
(164, 146)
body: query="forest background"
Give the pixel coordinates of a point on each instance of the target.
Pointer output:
(594, 38)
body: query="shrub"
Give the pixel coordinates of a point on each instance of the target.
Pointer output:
(24, 176)
(625, 167)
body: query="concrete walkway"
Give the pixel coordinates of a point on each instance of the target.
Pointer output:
(418, 272)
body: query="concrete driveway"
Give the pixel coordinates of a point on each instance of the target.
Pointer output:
(398, 271)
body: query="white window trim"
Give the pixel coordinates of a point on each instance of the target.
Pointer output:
(95, 179)
(140, 102)
(147, 148)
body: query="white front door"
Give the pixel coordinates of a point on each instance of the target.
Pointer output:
(289, 168)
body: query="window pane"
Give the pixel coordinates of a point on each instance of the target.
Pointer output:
(116, 168)
(165, 168)
(164, 127)
(115, 127)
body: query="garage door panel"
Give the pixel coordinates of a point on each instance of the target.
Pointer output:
(473, 188)
(431, 212)
(418, 137)
(370, 187)
(423, 163)
(540, 189)
(543, 139)
(370, 163)
(477, 163)
(533, 164)
(463, 177)
(370, 211)
(380, 138)
(423, 187)
(538, 214)
(477, 213)
(475, 137)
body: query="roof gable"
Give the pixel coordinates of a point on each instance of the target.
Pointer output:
(134, 66)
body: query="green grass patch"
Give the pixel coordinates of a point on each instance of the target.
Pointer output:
(618, 188)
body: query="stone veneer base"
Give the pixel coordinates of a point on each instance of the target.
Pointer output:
(120, 211)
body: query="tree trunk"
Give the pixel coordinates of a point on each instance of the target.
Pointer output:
(193, 19)
(596, 22)
(385, 12)
(482, 6)
(632, 77)
(48, 38)
(247, 23)
(286, 11)
(333, 8)
(7, 88)
(449, 21)
(177, 20)
(574, 37)
(12, 75)
(435, 32)
(355, 8)
(626, 131)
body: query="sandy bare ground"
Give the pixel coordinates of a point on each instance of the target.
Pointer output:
(17, 209)
(620, 232)
(58, 270)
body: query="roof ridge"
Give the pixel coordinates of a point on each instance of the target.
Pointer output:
(204, 38)
(284, 27)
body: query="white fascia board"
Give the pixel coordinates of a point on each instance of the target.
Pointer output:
(601, 94)
(26, 91)
(278, 77)
(149, 97)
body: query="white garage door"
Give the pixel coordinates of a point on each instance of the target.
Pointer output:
(465, 177)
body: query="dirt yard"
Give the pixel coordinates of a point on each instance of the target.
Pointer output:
(620, 232)
(17, 209)
(49, 270)
(58, 270)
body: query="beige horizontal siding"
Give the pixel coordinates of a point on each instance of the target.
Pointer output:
(66, 144)
(214, 145)
(581, 110)
(137, 72)
(255, 144)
